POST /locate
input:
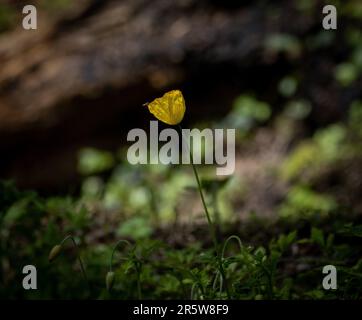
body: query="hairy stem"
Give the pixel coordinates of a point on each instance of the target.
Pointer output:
(79, 258)
(210, 223)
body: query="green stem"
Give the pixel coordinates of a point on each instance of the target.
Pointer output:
(270, 281)
(79, 258)
(114, 250)
(210, 223)
(227, 242)
(138, 266)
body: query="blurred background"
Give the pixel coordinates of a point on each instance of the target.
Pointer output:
(72, 89)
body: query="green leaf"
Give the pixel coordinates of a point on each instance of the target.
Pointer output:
(317, 237)
(135, 228)
(352, 231)
(16, 211)
(92, 161)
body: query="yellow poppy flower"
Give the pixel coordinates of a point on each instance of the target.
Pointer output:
(170, 108)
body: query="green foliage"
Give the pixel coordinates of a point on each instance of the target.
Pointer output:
(284, 43)
(330, 141)
(301, 158)
(302, 201)
(167, 251)
(288, 86)
(284, 241)
(93, 161)
(297, 109)
(136, 228)
(154, 269)
(252, 109)
(324, 148)
(120, 201)
(246, 113)
(352, 231)
(346, 73)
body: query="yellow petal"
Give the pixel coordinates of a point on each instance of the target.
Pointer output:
(170, 108)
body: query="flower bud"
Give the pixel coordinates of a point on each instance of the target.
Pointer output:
(54, 252)
(110, 280)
